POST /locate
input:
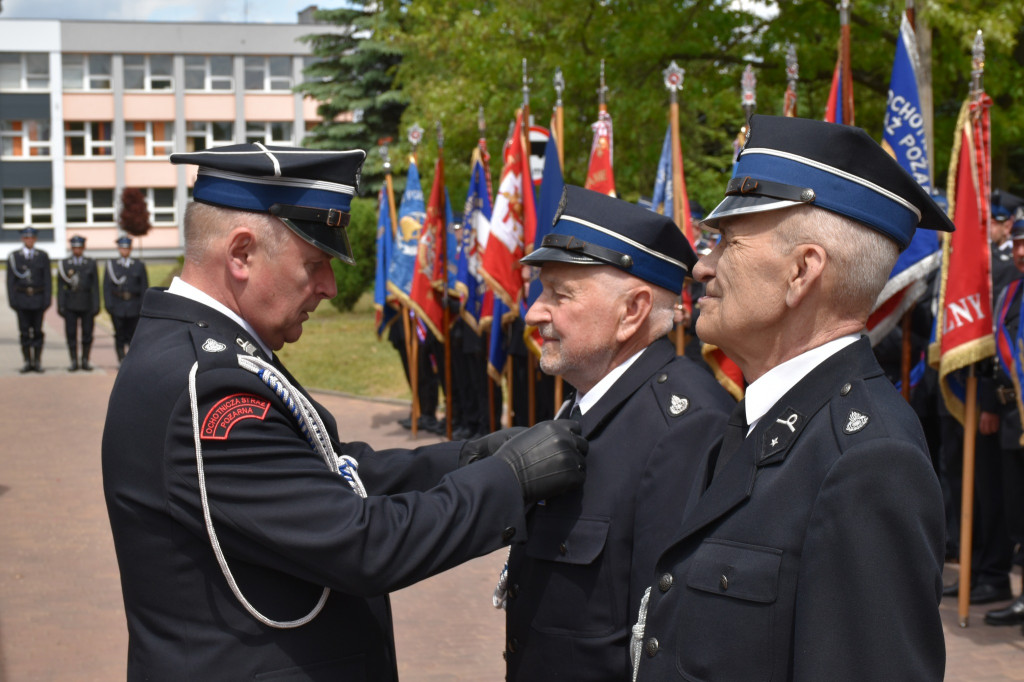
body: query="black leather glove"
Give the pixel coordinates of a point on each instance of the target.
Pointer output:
(478, 448)
(547, 459)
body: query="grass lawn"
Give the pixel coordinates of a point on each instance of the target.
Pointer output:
(337, 352)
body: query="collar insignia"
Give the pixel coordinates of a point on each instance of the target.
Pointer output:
(248, 346)
(678, 406)
(856, 422)
(213, 346)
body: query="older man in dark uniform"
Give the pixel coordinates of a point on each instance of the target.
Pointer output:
(29, 293)
(252, 542)
(78, 300)
(612, 273)
(814, 549)
(124, 281)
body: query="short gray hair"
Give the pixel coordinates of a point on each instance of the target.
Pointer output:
(204, 223)
(862, 258)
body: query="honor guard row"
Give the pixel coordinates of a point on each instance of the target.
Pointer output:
(29, 284)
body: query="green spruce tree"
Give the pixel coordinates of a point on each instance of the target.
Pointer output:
(353, 79)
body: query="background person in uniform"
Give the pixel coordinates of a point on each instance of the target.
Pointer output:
(253, 543)
(612, 272)
(78, 300)
(1011, 479)
(29, 293)
(815, 551)
(124, 282)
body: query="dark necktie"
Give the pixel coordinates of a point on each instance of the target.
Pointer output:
(735, 432)
(576, 413)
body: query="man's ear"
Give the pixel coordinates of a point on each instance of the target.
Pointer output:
(806, 273)
(636, 309)
(240, 249)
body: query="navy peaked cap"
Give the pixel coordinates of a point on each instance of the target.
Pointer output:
(309, 190)
(29, 232)
(591, 228)
(790, 161)
(124, 242)
(77, 240)
(1017, 229)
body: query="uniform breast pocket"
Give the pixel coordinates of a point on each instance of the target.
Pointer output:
(566, 581)
(725, 631)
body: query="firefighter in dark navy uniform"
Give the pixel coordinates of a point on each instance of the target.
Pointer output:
(78, 301)
(252, 542)
(611, 272)
(813, 549)
(124, 282)
(29, 293)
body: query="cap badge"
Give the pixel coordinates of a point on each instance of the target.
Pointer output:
(213, 346)
(561, 207)
(678, 405)
(856, 422)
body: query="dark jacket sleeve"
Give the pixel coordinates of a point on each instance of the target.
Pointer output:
(274, 502)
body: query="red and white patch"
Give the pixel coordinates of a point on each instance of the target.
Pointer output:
(223, 416)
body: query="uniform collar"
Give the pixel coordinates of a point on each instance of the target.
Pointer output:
(590, 398)
(776, 382)
(182, 288)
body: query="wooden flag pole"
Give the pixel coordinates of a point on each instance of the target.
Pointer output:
(559, 133)
(446, 316)
(971, 417)
(844, 50)
(674, 83)
(905, 355)
(967, 500)
(411, 342)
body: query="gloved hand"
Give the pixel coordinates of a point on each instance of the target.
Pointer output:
(472, 450)
(547, 459)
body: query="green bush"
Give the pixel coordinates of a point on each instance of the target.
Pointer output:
(353, 280)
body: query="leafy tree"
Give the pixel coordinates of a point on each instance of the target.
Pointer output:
(134, 215)
(447, 74)
(353, 280)
(353, 81)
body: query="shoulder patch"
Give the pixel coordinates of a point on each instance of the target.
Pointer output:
(678, 404)
(229, 411)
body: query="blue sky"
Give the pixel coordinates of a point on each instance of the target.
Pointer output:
(255, 11)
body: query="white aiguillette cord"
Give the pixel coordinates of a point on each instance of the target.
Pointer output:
(313, 428)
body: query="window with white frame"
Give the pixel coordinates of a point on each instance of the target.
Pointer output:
(268, 73)
(160, 201)
(149, 138)
(24, 71)
(83, 138)
(90, 206)
(86, 71)
(148, 72)
(209, 73)
(269, 132)
(24, 139)
(24, 206)
(200, 135)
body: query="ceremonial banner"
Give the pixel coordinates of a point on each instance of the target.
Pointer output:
(382, 302)
(551, 189)
(600, 177)
(429, 273)
(661, 199)
(514, 219)
(411, 214)
(963, 326)
(904, 138)
(476, 221)
(724, 369)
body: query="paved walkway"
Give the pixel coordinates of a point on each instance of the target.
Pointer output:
(61, 616)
